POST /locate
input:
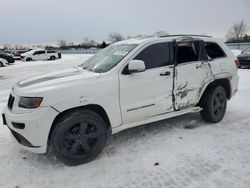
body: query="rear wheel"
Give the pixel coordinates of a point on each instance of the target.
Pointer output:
(52, 58)
(79, 137)
(214, 104)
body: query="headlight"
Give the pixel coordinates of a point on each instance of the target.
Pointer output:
(30, 102)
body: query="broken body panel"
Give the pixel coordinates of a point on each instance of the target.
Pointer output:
(127, 99)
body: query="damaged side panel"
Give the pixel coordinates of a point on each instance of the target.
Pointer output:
(190, 80)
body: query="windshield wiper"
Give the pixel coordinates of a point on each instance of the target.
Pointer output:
(88, 68)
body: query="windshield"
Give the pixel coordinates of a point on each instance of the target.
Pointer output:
(108, 58)
(246, 50)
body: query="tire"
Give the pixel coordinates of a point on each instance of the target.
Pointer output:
(52, 58)
(214, 104)
(29, 59)
(1, 64)
(79, 137)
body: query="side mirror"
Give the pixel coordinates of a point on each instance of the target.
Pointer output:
(136, 66)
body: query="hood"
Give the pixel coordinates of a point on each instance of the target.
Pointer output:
(56, 80)
(4, 55)
(244, 55)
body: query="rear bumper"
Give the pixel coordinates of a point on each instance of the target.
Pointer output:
(234, 84)
(34, 136)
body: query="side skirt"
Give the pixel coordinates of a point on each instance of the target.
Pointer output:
(155, 118)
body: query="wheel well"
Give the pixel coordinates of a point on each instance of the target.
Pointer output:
(225, 83)
(92, 107)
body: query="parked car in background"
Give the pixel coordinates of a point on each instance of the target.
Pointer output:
(129, 83)
(17, 54)
(40, 55)
(236, 52)
(5, 59)
(244, 58)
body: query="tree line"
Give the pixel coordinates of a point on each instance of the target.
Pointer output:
(237, 33)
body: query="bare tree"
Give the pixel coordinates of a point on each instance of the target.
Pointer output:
(115, 37)
(62, 43)
(7, 47)
(237, 32)
(86, 40)
(160, 34)
(92, 43)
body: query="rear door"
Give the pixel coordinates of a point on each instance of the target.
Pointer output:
(192, 72)
(149, 93)
(40, 55)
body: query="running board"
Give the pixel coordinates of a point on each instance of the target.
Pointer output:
(155, 118)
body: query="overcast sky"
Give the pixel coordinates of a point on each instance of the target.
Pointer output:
(41, 21)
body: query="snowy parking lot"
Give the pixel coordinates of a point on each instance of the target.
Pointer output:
(178, 152)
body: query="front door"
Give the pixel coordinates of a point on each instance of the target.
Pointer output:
(149, 93)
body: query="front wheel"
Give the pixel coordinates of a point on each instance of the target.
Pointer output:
(79, 137)
(214, 104)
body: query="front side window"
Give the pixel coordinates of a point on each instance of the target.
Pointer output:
(156, 55)
(108, 58)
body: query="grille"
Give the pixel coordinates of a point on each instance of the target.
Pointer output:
(11, 102)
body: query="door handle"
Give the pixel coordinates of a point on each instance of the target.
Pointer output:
(168, 73)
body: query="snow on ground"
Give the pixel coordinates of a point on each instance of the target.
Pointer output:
(189, 152)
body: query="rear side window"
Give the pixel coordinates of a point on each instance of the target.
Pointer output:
(156, 55)
(214, 50)
(51, 52)
(39, 52)
(188, 52)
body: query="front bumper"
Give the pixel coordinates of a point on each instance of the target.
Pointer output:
(34, 136)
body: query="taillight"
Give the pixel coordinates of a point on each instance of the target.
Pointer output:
(237, 63)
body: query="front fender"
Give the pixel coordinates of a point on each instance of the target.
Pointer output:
(109, 105)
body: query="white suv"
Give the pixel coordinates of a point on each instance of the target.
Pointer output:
(129, 83)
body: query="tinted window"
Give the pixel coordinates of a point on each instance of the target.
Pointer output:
(39, 52)
(156, 55)
(108, 58)
(51, 52)
(187, 52)
(214, 50)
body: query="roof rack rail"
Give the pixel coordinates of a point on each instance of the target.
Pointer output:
(185, 35)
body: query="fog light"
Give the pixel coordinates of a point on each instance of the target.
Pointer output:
(18, 125)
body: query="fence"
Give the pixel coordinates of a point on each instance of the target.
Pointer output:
(78, 51)
(239, 46)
